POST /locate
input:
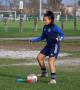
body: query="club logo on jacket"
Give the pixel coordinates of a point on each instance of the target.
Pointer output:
(49, 30)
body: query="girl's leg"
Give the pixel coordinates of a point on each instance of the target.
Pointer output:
(52, 66)
(40, 59)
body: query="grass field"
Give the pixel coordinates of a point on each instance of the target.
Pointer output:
(28, 30)
(68, 78)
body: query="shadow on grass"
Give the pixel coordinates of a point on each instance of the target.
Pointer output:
(11, 76)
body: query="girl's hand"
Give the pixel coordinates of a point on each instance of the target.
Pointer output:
(59, 38)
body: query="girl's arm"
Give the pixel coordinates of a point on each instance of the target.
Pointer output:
(40, 38)
(37, 39)
(60, 32)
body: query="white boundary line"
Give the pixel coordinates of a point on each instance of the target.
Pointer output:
(65, 62)
(23, 54)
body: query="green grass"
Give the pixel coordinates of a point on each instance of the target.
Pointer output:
(75, 54)
(13, 61)
(68, 78)
(28, 30)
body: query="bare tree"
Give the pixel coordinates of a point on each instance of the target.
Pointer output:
(0, 3)
(54, 4)
(79, 2)
(34, 6)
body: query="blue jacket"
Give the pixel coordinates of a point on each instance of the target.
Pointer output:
(50, 33)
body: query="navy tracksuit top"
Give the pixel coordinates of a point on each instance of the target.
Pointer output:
(50, 33)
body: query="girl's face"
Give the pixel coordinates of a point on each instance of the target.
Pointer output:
(46, 20)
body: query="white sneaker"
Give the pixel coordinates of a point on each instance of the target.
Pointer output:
(52, 81)
(43, 75)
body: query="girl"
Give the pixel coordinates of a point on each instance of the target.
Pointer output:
(53, 35)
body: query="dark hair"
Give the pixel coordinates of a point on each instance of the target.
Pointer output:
(50, 14)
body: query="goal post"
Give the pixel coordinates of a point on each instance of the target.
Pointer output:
(10, 13)
(57, 15)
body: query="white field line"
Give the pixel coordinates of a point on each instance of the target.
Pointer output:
(65, 62)
(66, 38)
(20, 64)
(22, 54)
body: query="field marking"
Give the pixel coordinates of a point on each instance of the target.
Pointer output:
(20, 64)
(21, 54)
(20, 39)
(65, 62)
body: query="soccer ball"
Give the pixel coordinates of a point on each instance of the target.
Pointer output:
(32, 78)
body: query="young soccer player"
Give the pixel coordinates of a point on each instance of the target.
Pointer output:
(53, 35)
